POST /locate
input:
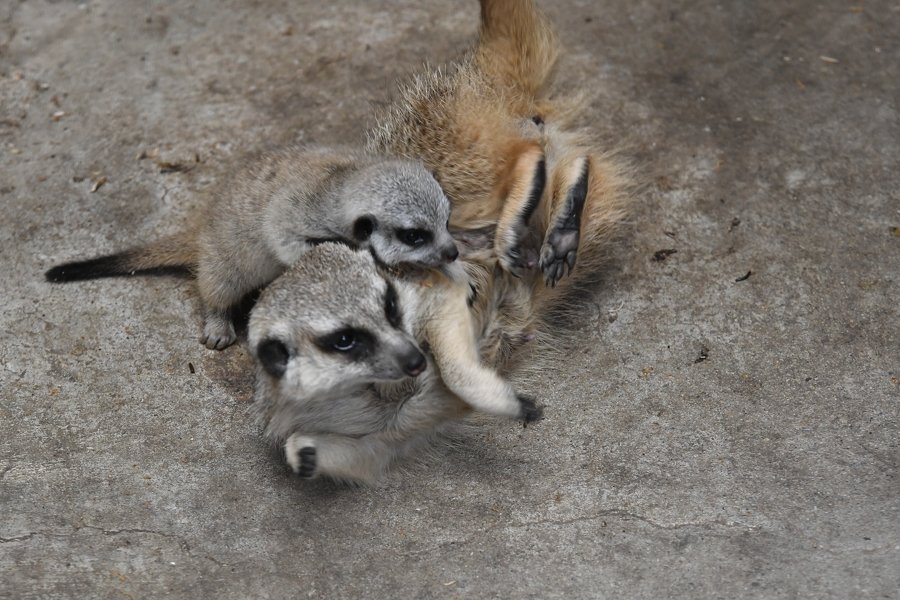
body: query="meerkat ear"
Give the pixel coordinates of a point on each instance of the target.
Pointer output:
(273, 355)
(363, 228)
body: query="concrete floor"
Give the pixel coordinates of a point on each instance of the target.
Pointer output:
(768, 135)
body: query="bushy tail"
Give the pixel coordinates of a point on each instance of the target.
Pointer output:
(518, 46)
(171, 254)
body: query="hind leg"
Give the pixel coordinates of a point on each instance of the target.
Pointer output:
(361, 459)
(560, 246)
(526, 186)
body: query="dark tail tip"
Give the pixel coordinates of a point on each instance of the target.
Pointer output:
(104, 266)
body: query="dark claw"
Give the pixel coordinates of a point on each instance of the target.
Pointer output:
(530, 412)
(307, 463)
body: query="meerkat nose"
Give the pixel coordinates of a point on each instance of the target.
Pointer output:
(413, 363)
(451, 253)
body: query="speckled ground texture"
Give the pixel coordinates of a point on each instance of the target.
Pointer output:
(767, 137)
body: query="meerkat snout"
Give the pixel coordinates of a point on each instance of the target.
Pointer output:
(450, 253)
(413, 362)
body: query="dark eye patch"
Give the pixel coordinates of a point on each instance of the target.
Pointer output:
(273, 355)
(415, 238)
(355, 343)
(363, 228)
(392, 306)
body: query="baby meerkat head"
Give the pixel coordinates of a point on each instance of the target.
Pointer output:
(330, 322)
(405, 215)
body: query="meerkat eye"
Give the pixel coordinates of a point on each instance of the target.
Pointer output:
(414, 237)
(354, 342)
(391, 306)
(344, 342)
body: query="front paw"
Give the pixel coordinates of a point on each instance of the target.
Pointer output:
(519, 260)
(218, 333)
(529, 411)
(300, 454)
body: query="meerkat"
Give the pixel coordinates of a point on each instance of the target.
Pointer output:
(357, 367)
(531, 194)
(531, 197)
(284, 204)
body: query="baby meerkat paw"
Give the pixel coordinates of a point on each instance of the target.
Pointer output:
(300, 454)
(530, 412)
(218, 333)
(561, 243)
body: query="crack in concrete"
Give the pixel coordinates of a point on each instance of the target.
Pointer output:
(878, 458)
(131, 530)
(111, 532)
(20, 538)
(623, 514)
(630, 515)
(181, 541)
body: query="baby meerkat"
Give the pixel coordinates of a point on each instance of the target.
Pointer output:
(275, 211)
(358, 367)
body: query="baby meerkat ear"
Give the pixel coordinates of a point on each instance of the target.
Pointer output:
(273, 355)
(363, 228)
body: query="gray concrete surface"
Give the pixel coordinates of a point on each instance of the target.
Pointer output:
(768, 470)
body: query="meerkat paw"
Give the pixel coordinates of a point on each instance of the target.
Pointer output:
(529, 411)
(300, 454)
(519, 259)
(529, 178)
(218, 333)
(561, 243)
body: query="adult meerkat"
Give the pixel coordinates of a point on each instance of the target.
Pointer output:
(529, 192)
(276, 210)
(344, 383)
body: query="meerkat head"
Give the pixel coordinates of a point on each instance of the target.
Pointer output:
(404, 216)
(330, 322)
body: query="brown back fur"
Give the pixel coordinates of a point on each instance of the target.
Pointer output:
(464, 121)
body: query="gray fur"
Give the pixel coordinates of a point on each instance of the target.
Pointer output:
(295, 198)
(352, 420)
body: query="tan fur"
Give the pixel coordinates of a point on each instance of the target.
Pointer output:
(178, 250)
(465, 122)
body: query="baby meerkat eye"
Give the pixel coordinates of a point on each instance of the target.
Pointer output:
(414, 238)
(391, 306)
